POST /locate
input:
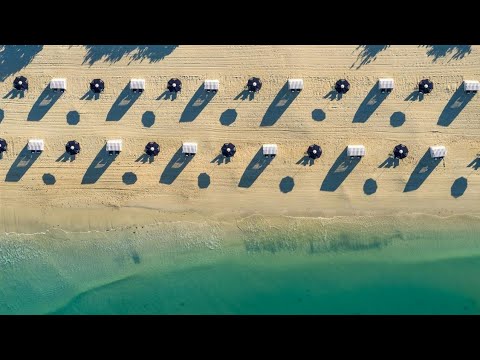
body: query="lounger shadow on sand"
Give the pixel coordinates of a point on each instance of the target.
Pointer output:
(370, 104)
(98, 166)
(196, 104)
(20, 166)
(339, 171)
(278, 106)
(454, 107)
(174, 168)
(258, 164)
(44, 103)
(422, 171)
(123, 103)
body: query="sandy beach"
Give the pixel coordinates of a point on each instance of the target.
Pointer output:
(49, 192)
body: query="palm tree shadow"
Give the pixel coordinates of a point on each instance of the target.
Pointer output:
(98, 166)
(258, 164)
(124, 102)
(197, 103)
(44, 103)
(422, 171)
(174, 167)
(368, 106)
(114, 53)
(339, 171)
(14, 58)
(439, 51)
(368, 54)
(278, 106)
(20, 166)
(455, 105)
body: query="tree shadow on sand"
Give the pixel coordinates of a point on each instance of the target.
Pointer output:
(44, 103)
(175, 166)
(114, 53)
(455, 105)
(339, 171)
(14, 58)
(422, 171)
(368, 53)
(368, 106)
(20, 166)
(258, 164)
(475, 164)
(98, 166)
(440, 51)
(123, 103)
(278, 106)
(197, 103)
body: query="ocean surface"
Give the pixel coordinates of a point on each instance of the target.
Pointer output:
(422, 265)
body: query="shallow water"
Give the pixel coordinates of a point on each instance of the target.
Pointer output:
(291, 266)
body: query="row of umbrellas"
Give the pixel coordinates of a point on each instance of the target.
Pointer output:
(228, 149)
(254, 84)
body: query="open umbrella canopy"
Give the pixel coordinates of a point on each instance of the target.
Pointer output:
(72, 147)
(152, 149)
(400, 151)
(254, 84)
(174, 85)
(97, 85)
(20, 83)
(3, 145)
(228, 149)
(342, 86)
(314, 151)
(425, 86)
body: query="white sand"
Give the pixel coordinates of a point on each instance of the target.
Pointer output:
(66, 201)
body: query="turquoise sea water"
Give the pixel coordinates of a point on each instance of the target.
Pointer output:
(193, 269)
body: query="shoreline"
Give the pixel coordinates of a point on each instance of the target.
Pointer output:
(50, 193)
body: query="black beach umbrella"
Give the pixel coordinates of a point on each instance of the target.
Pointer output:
(152, 149)
(20, 83)
(3, 145)
(174, 85)
(425, 86)
(314, 151)
(97, 85)
(228, 149)
(254, 84)
(342, 86)
(400, 151)
(72, 147)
